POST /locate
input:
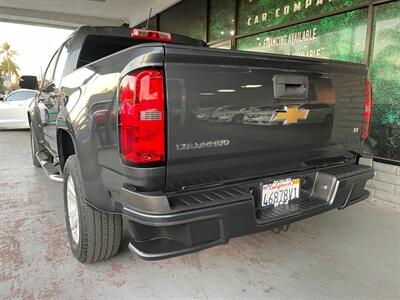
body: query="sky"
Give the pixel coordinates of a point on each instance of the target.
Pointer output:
(35, 45)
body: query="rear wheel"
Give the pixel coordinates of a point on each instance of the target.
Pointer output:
(93, 235)
(35, 148)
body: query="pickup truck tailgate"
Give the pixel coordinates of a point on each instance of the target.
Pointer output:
(234, 115)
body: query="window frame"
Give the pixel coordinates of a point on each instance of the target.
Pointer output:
(54, 58)
(60, 52)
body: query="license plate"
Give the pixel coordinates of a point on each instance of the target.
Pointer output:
(280, 192)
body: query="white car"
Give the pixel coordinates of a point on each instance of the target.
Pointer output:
(230, 114)
(261, 115)
(203, 113)
(14, 110)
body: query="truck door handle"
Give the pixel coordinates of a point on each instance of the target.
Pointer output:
(290, 86)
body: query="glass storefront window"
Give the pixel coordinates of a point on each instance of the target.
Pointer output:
(340, 37)
(222, 19)
(255, 15)
(187, 18)
(384, 72)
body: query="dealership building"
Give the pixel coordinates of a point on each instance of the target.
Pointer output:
(362, 31)
(347, 30)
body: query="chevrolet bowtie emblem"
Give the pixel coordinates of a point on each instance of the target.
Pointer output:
(290, 115)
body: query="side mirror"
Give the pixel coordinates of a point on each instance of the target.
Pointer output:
(29, 82)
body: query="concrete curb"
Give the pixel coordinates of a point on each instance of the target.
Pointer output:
(385, 186)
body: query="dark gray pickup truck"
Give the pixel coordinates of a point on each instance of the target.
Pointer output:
(189, 146)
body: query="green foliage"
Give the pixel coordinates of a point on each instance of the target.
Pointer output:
(7, 65)
(2, 88)
(384, 73)
(222, 19)
(187, 18)
(340, 37)
(250, 8)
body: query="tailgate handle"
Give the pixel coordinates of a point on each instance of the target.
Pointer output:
(290, 86)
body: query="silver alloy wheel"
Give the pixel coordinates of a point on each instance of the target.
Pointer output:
(73, 213)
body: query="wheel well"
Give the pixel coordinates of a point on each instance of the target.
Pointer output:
(65, 146)
(29, 118)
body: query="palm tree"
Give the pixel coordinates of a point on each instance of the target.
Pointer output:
(8, 66)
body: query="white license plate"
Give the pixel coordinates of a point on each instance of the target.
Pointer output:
(280, 192)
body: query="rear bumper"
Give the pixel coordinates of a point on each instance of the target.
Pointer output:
(163, 226)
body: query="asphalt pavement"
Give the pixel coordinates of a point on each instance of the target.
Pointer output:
(353, 253)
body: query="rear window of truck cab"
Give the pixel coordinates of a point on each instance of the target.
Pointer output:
(96, 47)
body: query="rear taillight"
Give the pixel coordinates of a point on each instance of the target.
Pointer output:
(367, 111)
(142, 117)
(151, 35)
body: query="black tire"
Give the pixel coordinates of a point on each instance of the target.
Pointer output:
(99, 232)
(35, 147)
